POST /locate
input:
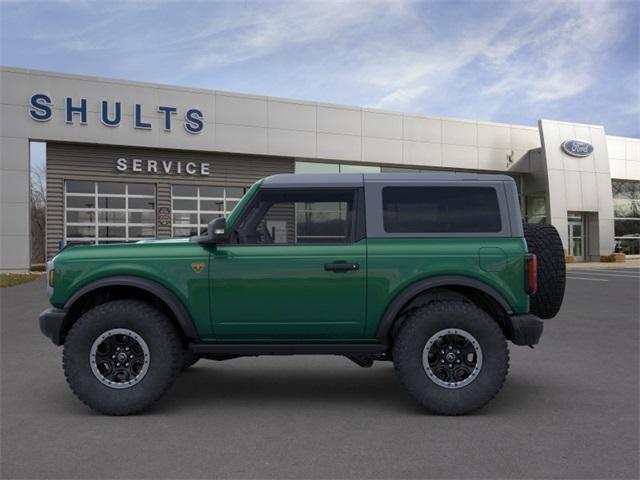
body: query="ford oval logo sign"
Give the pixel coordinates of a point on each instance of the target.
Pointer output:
(577, 148)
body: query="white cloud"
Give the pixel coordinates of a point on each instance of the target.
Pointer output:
(257, 32)
(558, 57)
(391, 54)
(400, 97)
(405, 76)
(542, 51)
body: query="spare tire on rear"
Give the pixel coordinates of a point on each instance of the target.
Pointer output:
(544, 241)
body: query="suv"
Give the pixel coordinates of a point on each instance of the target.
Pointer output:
(434, 272)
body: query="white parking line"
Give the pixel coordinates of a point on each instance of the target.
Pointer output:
(591, 279)
(628, 271)
(605, 274)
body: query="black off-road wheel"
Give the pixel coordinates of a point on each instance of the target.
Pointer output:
(544, 241)
(451, 356)
(120, 357)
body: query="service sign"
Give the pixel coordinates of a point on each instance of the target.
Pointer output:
(162, 167)
(577, 148)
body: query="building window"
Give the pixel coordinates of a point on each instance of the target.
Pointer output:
(106, 212)
(536, 208)
(194, 207)
(626, 211)
(316, 167)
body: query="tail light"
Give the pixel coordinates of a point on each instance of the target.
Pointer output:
(531, 273)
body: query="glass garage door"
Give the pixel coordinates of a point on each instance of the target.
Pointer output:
(109, 212)
(194, 207)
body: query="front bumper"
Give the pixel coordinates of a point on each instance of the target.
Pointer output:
(524, 329)
(52, 323)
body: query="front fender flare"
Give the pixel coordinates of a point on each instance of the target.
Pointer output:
(392, 311)
(164, 294)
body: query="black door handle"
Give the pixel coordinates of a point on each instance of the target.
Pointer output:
(341, 266)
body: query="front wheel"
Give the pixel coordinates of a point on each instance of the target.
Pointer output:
(451, 356)
(120, 357)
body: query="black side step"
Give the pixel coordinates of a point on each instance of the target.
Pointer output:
(349, 349)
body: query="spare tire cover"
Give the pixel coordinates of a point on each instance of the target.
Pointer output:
(544, 241)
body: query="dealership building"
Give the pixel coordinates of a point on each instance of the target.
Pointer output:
(127, 161)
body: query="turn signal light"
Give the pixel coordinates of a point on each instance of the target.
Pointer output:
(52, 277)
(531, 274)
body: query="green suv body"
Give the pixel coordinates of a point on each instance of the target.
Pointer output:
(368, 266)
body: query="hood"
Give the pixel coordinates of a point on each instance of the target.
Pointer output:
(114, 250)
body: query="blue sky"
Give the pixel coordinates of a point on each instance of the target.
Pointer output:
(512, 62)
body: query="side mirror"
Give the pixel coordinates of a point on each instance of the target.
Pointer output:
(217, 230)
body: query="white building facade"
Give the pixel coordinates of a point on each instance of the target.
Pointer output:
(129, 161)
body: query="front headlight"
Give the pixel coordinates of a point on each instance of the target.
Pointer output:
(51, 278)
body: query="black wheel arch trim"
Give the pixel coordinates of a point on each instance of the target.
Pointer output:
(411, 291)
(165, 295)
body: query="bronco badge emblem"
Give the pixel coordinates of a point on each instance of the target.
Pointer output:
(197, 266)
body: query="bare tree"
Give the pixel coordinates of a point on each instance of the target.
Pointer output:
(38, 208)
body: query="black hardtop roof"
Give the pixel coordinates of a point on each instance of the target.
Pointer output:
(359, 179)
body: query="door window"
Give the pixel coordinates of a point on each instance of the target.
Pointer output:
(299, 217)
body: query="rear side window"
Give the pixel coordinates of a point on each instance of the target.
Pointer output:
(440, 209)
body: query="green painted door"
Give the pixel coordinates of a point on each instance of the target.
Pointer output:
(296, 270)
(284, 292)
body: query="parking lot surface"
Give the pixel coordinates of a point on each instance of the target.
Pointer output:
(569, 409)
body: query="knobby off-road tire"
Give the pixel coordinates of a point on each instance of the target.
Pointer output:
(188, 359)
(420, 327)
(147, 330)
(544, 241)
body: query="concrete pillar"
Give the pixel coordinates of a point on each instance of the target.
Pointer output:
(15, 241)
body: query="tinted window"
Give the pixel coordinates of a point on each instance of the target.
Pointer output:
(111, 202)
(142, 203)
(81, 202)
(234, 192)
(74, 186)
(440, 210)
(184, 191)
(80, 216)
(142, 189)
(296, 217)
(112, 188)
(212, 192)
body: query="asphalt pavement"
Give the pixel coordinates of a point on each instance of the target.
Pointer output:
(569, 409)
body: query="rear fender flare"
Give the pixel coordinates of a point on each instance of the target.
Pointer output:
(392, 311)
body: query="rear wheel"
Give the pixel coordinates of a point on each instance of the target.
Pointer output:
(120, 357)
(451, 356)
(544, 241)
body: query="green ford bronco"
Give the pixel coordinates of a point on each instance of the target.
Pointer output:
(434, 272)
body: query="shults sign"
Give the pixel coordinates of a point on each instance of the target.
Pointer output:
(111, 113)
